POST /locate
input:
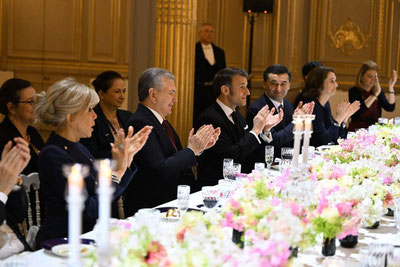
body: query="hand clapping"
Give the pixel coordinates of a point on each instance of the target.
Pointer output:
(205, 137)
(13, 162)
(124, 148)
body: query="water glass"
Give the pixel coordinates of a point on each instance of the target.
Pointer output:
(393, 259)
(259, 167)
(210, 196)
(225, 187)
(269, 156)
(397, 212)
(286, 158)
(183, 198)
(226, 167)
(383, 120)
(396, 120)
(149, 217)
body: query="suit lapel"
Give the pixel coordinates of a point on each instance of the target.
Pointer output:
(234, 130)
(158, 129)
(104, 121)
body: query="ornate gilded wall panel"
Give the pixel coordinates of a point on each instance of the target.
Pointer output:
(62, 29)
(104, 30)
(51, 30)
(25, 33)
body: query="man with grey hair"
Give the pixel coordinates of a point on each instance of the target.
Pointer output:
(162, 163)
(209, 60)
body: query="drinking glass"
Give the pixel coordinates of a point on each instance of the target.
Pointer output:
(397, 212)
(286, 158)
(393, 259)
(225, 189)
(183, 198)
(396, 120)
(269, 156)
(226, 167)
(383, 120)
(259, 167)
(210, 196)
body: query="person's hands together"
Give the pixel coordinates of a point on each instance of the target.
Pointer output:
(260, 120)
(273, 120)
(13, 162)
(198, 142)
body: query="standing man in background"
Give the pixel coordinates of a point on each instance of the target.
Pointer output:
(209, 60)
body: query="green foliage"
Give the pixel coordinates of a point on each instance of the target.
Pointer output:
(328, 229)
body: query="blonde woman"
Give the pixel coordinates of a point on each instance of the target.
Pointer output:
(68, 105)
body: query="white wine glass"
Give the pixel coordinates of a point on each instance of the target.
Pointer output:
(269, 156)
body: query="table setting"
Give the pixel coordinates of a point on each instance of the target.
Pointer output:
(327, 206)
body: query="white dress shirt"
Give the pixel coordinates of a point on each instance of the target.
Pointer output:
(267, 137)
(208, 53)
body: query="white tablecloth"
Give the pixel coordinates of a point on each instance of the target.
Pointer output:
(386, 233)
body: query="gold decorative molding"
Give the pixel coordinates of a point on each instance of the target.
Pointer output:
(348, 38)
(175, 51)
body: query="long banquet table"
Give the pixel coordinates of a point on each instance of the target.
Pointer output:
(386, 233)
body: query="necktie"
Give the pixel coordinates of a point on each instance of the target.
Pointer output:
(235, 117)
(168, 130)
(279, 108)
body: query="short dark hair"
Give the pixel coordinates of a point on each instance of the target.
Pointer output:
(224, 77)
(315, 82)
(151, 78)
(104, 80)
(10, 91)
(309, 66)
(277, 69)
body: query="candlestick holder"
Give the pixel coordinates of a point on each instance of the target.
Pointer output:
(105, 191)
(75, 199)
(298, 133)
(308, 118)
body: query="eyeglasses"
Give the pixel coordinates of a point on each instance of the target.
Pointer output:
(30, 102)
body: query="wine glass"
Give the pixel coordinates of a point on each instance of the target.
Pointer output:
(269, 156)
(226, 167)
(183, 198)
(286, 158)
(397, 212)
(236, 168)
(210, 196)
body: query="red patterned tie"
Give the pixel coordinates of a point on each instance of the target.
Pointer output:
(168, 129)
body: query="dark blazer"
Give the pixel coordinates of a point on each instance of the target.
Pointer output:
(160, 167)
(99, 143)
(282, 134)
(2, 212)
(325, 128)
(204, 95)
(235, 142)
(57, 153)
(365, 117)
(8, 132)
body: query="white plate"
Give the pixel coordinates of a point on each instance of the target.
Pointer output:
(324, 147)
(169, 219)
(62, 250)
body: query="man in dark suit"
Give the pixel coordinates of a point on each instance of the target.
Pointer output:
(13, 161)
(209, 60)
(277, 80)
(162, 163)
(237, 141)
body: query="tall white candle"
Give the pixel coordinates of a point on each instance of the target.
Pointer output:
(307, 135)
(75, 202)
(298, 128)
(104, 211)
